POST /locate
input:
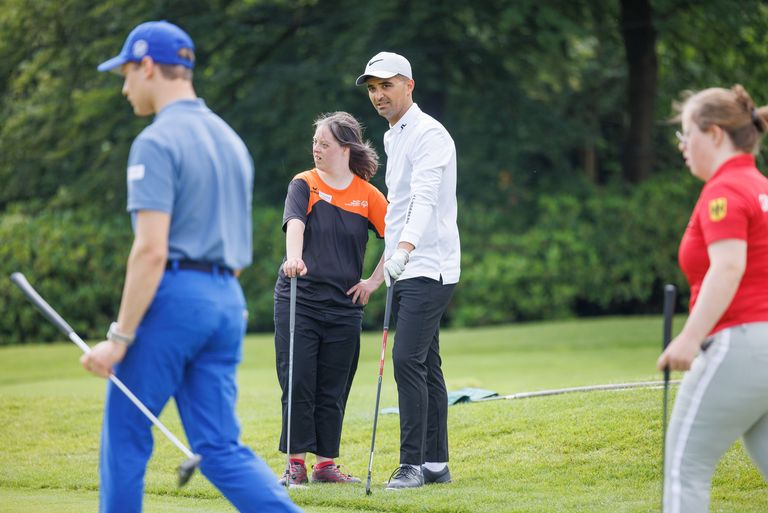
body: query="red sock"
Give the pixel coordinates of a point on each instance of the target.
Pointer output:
(324, 464)
(297, 461)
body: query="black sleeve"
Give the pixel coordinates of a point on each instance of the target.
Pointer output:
(296, 202)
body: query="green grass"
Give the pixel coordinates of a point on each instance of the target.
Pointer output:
(586, 452)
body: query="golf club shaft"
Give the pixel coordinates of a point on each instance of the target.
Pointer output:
(53, 316)
(669, 311)
(387, 311)
(292, 328)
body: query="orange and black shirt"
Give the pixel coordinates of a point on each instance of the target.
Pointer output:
(335, 236)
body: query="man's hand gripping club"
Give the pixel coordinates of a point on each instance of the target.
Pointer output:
(395, 266)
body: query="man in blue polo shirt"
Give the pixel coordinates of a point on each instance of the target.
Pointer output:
(182, 317)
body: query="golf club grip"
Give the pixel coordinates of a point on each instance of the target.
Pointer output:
(36, 299)
(388, 307)
(669, 311)
(292, 320)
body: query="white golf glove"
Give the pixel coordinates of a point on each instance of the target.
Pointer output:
(395, 266)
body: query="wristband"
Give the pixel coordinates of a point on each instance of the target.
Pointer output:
(121, 338)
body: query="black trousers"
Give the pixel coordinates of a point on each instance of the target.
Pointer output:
(326, 348)
(422, 397)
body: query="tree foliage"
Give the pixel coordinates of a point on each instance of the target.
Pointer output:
(534, 92)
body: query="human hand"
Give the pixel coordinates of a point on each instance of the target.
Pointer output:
(679, 354)
(294, 267)
(395, 266)
(104, 355)
(361, 292)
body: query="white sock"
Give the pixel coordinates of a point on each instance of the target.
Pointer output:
(434, 467)
(415, 467)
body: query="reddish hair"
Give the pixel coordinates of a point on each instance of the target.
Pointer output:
(733, 110)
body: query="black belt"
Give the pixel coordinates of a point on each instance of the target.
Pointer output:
(192, 265)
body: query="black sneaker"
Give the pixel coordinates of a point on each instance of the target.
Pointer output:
(405, 476)
(441, 476)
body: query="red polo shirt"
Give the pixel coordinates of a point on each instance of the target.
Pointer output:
(733, 205)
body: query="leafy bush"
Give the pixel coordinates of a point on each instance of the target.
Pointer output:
(607, 251)
(74, 261)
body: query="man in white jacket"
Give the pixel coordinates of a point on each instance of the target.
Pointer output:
(421, 262)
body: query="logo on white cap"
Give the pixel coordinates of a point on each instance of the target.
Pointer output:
(140, 49)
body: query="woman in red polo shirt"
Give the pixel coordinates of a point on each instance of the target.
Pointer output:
(724, 255)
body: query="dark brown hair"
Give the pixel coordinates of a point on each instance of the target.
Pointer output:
(348, 132)
(732, 110)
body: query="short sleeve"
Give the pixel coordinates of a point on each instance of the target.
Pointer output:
(377, 211)
(296, 202)
(724, 214)
(150, 177)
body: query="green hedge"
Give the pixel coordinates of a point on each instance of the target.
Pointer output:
(75, 259)
(598, 251)
(601, 252)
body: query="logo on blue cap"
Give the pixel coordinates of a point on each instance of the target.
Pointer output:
(140, 48)
(160, 40)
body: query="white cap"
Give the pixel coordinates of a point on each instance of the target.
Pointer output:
(385, 65)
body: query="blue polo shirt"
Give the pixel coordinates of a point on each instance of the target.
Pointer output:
(190, 164)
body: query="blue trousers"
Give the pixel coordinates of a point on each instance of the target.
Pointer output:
(188, 346)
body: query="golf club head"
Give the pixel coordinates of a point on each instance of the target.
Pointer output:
(187, 468)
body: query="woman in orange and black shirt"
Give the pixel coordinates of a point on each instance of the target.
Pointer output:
(328, 212)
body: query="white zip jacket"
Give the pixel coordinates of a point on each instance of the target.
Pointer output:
(421, 189)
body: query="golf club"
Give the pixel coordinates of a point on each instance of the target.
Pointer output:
(387, 311)
(187, 468)
(292, 327)
(669, 311)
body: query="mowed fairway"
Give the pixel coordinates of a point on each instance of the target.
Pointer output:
(584, 452)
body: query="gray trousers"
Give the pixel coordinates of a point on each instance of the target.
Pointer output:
(723, 397)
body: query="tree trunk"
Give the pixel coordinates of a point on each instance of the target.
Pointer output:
(640, 45)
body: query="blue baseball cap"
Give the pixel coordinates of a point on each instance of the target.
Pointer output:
(159, 40)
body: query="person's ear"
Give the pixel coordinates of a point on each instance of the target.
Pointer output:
(717, 134)
(148, 67)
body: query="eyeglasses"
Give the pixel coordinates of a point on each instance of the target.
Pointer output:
(681, 137)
